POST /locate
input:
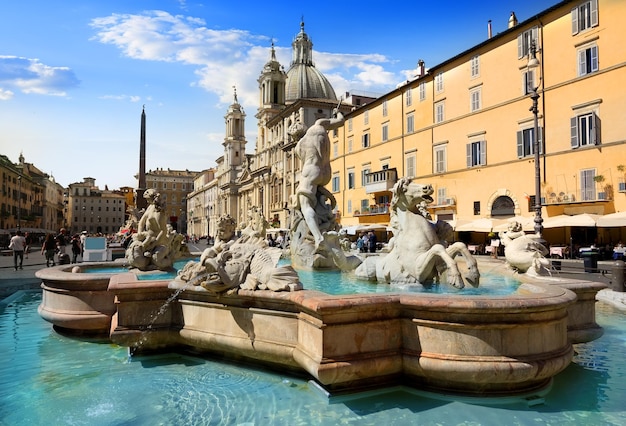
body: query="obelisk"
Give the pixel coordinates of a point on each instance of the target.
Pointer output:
(140, 201)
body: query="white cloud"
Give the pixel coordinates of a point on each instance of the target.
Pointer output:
(227, 58)
(5, 95)
(31, 76)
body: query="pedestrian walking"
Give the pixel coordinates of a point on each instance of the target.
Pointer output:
(76, 247)
(48, 249)
(18, 244)
(29, 241)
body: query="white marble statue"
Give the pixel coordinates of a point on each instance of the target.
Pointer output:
(155, 245)
(524, 253)
(314, 239)
(418, 252)
(245, 263)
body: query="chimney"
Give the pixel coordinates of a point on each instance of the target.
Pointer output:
(421, 66)
(489, 33)
(512, 20)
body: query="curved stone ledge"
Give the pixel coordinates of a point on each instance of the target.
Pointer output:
(477, 345)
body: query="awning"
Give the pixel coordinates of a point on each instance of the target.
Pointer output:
(584, 220)
(479, 225)
(528, 223)
(612, 220)
(353, 230)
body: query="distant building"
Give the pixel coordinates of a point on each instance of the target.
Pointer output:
(201, 205)
(30, 199)
(174, 186)
(94, 210)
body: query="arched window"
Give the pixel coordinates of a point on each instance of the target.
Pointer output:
(503, 206)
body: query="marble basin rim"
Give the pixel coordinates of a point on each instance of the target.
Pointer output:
(470, 345)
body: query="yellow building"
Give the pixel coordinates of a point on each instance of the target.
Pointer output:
(466, 127)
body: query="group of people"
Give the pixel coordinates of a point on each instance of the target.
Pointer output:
(51, 245)
(366, 242)
(281, 240)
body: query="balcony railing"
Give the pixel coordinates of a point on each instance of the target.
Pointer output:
(373, 209)
(380, 181)
(576, 197)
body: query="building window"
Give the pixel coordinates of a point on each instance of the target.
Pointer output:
(526, 142)
(349, 206)
(439, 82)
(364, 174)
(385, 132)
(410, 166)
(365, 206)
(524, 40)
(528, 82)
(439, 112)
(440, 159)
(366, 117)
(476, 208)
(336, 149)
(410, 123)
(336, 183)
(476, 153)
(442, 198)
(475, 66)
(422, 90)
(584, 16)
(365, 140)
(349, 144)
(475, 99)
(385, 108)
(351, 179)
(349, 124)
(584, 130)
(408, 97)
(587, 185)
(587, 60)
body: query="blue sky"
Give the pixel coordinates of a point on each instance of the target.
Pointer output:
(75, 74)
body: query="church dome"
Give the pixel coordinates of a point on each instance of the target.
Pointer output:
(303, 79)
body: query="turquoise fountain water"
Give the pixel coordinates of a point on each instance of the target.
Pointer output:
(48, 378)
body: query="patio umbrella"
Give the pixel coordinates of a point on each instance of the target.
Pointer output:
(612, 220)
(563, 220)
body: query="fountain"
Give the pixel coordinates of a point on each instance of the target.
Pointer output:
(237, 301)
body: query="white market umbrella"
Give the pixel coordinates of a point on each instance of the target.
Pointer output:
(612, 220)
(528, 223)
(563, 220)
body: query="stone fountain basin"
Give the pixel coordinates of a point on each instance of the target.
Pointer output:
(483, 345)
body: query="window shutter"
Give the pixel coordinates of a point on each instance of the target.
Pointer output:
(574, 131)
(595, 133)
(534, 36)
(541, 145)
(483, 153)
(594, 59)
(582, 62)
(594, 13)
(468, 151)
(520, 144)
(575, 21)
(520, 47)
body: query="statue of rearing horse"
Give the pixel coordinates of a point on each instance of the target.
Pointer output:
(417, 250)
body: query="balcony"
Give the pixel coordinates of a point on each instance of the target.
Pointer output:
(576, 197)
(373, 210)
(380, 181)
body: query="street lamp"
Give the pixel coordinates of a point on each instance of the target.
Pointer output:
(533, 63)
(19, 203)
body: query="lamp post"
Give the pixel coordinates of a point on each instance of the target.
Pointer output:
(533, 63)
(19, 203)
